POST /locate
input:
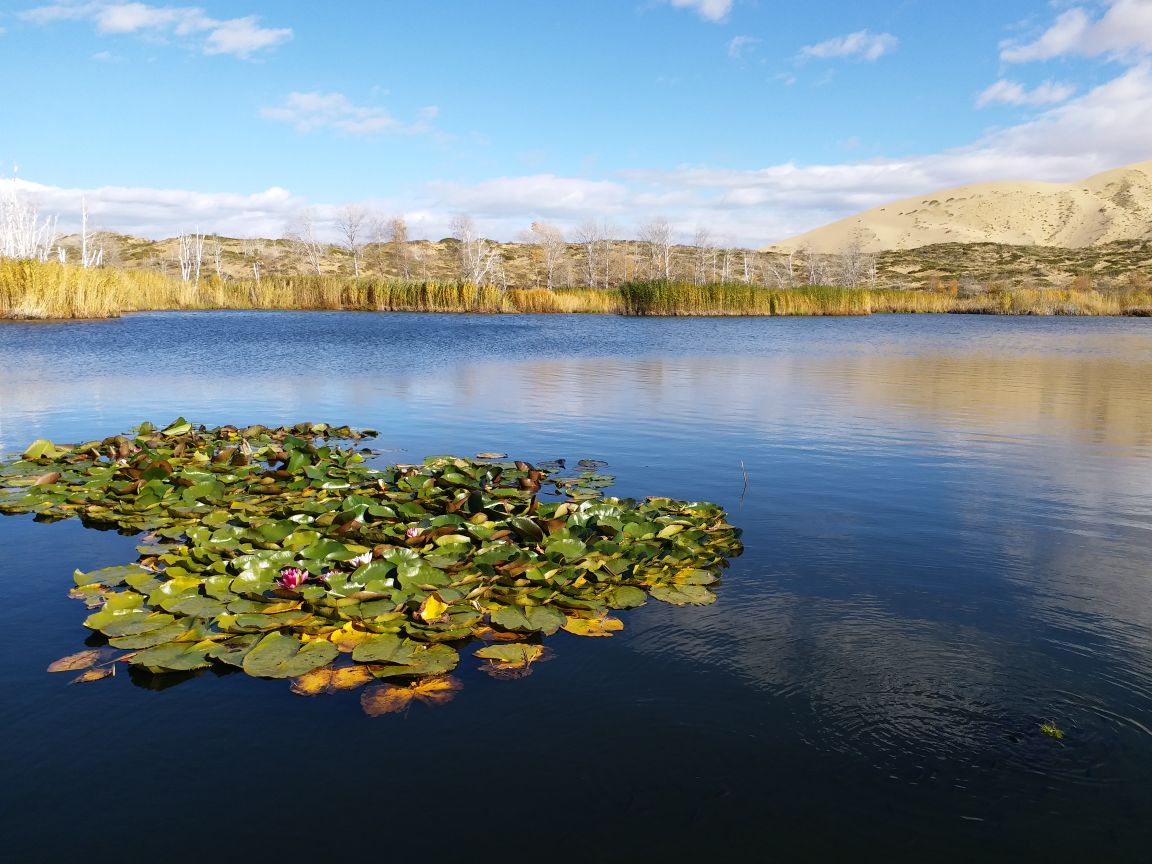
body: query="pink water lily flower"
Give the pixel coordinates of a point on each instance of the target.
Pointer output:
(413, 532)
(365, 558)
(291, 577)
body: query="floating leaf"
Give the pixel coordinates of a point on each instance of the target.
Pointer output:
(96, 674)
(393, 699)
(281, 656)
(602, 626)
(41, 448)
(347, 638)
(543, 619)
(109, 575)
(433, 609)
(168, 633)
(233, 651)
(683, 595)
(1052, 730)
(491, 455)
(173, 657)
(488, 634)
(385, 564)
(79, 660)
(516, 656)
(627, 597)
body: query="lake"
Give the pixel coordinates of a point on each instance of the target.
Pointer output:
(948, 531)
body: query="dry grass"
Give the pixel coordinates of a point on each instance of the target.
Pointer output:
(30, 289)
(48, 290)
(669, 298)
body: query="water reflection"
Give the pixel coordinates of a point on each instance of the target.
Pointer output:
(948, 528)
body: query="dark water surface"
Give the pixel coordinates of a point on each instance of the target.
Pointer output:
(948, 525)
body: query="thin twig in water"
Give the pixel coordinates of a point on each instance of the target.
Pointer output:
(745, 473)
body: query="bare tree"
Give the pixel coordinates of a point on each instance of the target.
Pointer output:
(216, 251)
(553, 249)
(476, 258)
(401, 254)
(591, 237)
(23, 234)
(88, 257)
(419, 258)
(657, 239)
(817, 266)
(191, 256)
(351, 222)
(701, 251)
(302, 234)
(254, 251)
(868, 268)
(852, 261)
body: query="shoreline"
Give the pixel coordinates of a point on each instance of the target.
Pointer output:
(35, 291)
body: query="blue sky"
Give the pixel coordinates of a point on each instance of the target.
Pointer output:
(754, 118)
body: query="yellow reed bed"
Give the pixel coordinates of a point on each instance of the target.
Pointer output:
(30, 289)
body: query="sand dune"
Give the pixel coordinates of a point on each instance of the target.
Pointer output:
(1115, 205)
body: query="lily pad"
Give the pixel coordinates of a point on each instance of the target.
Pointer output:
(281, 656)
(516, 656)
(278, 550)
(541, 619)
(599, 626)
(683, 595)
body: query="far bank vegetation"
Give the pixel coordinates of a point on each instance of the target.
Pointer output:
(378, 265)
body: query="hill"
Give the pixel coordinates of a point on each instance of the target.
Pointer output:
(1106, 208)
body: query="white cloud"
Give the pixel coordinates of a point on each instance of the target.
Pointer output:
(862, 44)
(541, 195)
(240, 37)
(1005, 92)
(243, 36)
(709, 10)
(1123, 32)
(145, 212)
(308, 112)
(741, 44)
(1100, 129)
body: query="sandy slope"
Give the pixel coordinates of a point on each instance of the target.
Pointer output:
(1115, 205)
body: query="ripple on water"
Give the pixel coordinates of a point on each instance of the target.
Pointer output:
(920, 700)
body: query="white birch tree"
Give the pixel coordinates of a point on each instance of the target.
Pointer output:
(657, 239)
(553, 249)
(476, 259)
(351, 222)
(302, 235)
(191, 256)
(701, 252)
(398, 248)
(23, 234)
(89, 257)
(590, 236)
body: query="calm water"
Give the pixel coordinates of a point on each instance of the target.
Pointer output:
(948, 524)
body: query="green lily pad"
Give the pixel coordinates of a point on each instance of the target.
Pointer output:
(174, 657)
(516, 656)
(683, 595)
(627, 597)
(274, 549)
(537, 619)
(281, 656)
